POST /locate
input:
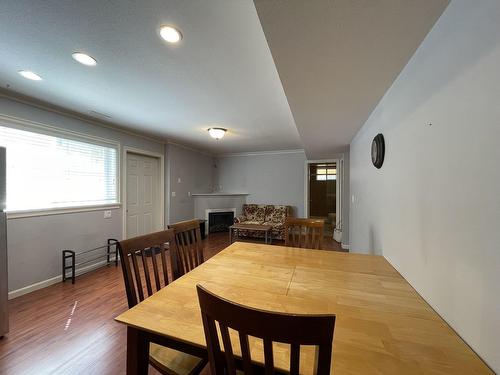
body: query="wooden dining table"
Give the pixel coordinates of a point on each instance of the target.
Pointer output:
(383, 326)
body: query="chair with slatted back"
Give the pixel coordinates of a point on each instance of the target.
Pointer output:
(145, 271)
(305, 233)
(296, 330)
(189, 251)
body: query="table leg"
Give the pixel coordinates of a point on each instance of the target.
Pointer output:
(137, 352)
(230, 236)
(266, 237)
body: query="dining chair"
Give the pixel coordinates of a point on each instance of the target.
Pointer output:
(145, 271)
(292, 329)
(188, 253)
(305, 233)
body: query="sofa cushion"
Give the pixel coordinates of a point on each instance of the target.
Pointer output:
(264, 214)
(276, 213)
(254, 212)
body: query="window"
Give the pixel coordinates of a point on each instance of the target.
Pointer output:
(46, 170)
(326, 172)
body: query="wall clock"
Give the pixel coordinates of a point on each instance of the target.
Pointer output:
(378, 151)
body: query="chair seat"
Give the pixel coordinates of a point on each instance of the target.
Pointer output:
(173, 362)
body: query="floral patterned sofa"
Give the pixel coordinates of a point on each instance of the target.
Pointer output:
(264, 214)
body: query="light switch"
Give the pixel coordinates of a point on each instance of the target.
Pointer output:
(107, 214)
(173, 194)
(178, 180)
(189, 193)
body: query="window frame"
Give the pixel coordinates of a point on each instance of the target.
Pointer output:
(325, 167)
(40, 128)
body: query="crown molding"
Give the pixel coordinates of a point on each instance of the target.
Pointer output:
(206, 153)
(105, 124)
(20, 98)
(259, 153)
(77, 116)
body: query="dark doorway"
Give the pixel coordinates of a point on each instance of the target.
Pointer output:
(322, 194)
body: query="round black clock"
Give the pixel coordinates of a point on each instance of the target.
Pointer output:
(378, 151)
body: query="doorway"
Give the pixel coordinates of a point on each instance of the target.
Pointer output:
(143, 211)
(322, 193)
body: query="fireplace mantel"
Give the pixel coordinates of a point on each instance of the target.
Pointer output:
(224, 201)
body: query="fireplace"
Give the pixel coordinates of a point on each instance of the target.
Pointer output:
(220, 221)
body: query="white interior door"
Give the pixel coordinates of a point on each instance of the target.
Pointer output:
(143, 195)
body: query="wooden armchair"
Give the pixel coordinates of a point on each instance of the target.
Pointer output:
(145, 271)
(305, 233)
(296, 330)
(188, 252)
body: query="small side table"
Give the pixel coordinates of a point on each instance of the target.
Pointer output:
(253, 227)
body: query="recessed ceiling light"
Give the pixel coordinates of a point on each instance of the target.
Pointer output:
(84, 59)
(170, 34)
(30, 75)
(217, 133)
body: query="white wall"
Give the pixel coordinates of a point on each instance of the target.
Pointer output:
(433, 210)
(35, 244)
(268, 178)
(188, 171)
(346, 199)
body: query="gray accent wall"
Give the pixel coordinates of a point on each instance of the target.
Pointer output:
(35, 243)
(433, 210)
(188, 172)
(267, 178)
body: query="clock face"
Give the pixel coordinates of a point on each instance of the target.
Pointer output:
(378, 151)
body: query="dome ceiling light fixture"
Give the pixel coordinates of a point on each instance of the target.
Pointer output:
(217, 133)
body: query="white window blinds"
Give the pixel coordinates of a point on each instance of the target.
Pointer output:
(49, 171)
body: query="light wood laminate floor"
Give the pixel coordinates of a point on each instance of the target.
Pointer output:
(69, 329)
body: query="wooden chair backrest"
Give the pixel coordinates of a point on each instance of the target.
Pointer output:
(305, 233)
(141, 275)
(295, 330)
(189, 249)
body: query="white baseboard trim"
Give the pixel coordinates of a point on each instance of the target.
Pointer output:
(54, 280)
(344, 246)
(31, 288)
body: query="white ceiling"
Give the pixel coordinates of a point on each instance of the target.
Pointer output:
(337, 58)
(222, 73)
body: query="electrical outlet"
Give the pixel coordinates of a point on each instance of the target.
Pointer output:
(189, 193)
(107, 214)
(179, 180)
(173, 194)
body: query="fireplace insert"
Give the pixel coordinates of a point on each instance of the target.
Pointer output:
(220, 221)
